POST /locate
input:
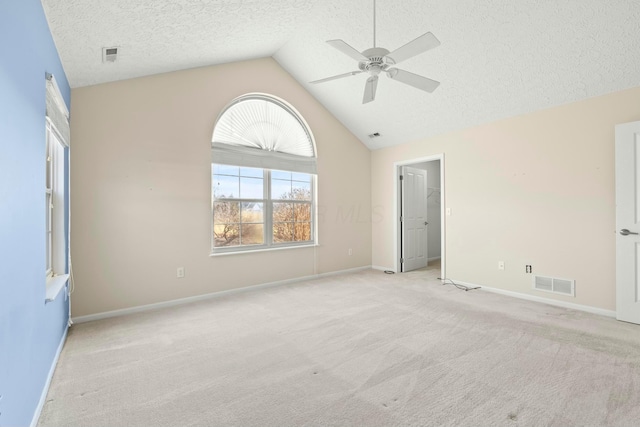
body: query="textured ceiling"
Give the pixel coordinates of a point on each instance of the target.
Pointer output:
(498, 58)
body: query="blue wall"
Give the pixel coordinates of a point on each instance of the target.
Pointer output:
(30, 330)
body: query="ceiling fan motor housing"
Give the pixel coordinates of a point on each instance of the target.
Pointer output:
(377, 61)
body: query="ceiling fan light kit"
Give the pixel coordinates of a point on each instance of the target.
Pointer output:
(378, 60)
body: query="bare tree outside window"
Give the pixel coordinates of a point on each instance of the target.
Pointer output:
(226, 225)
(292, 220)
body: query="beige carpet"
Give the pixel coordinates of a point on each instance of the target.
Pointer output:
(364, 349)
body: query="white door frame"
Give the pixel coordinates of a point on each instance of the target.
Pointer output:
(397, 232)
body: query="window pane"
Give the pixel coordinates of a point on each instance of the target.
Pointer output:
(290, 185)
(303, 177)
(226, 212)
(252, 234)
(48, 252)
(251, 188)
(48, 209)
(226, 235)
(252, 172)
(281, 175)
(280, 189)
(226, 170)
(282, 212)
(301, 190)
(302, 212)
(48, 182)
(226, 187)
(302, 231)
(252, 212)
(282, 232)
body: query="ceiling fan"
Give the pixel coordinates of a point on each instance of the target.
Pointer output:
(377, 60)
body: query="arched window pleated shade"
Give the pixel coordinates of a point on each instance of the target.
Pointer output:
(258, 130)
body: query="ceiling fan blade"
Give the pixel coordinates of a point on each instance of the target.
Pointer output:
(414, 80)
(370, 89)
(339, 76)
(421, 44)
(347, 50)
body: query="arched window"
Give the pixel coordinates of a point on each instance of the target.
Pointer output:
(263, 176)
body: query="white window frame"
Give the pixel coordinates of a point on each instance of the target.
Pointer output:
(267, 202)
(56, 200)
(286, 144)
(55, 194)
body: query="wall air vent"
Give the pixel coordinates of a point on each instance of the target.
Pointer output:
(109, 54)
(555, 285)
(374, 135)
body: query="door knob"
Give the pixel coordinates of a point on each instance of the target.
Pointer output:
(425, 223)
(626, 232)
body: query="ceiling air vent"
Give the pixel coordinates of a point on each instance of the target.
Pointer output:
(109, 54)
(555, 285)
(374, 135)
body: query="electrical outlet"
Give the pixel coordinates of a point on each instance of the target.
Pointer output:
(350, 252)
(180, 272)
(500, 265)
(528, 269)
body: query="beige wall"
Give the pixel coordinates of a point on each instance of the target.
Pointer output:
(140, 189)
(535, 189)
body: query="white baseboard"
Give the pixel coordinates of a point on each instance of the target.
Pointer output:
(434, 258)
(573, 306)
(180, 301)
(331, 273)
(45, 390)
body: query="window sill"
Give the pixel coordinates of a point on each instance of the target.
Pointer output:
(54, 286)
(253, 251)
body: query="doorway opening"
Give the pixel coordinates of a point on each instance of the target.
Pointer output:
(420, 215)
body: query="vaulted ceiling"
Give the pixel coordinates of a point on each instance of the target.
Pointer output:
(497, 58)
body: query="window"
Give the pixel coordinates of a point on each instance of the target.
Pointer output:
(249, 201)
(56, 186)
(55, 202)
(263, 177)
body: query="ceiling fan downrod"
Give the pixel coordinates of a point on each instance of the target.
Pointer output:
(374, 23)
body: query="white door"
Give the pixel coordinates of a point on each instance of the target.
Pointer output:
(628, 222)
(414, 218)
